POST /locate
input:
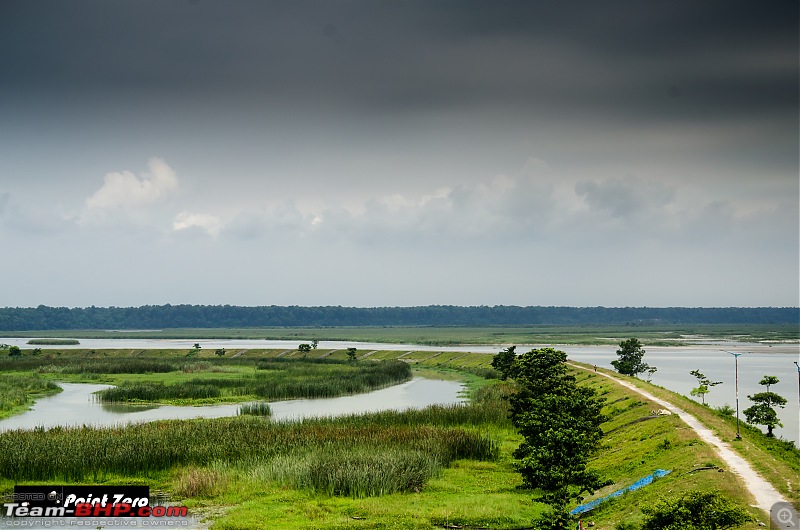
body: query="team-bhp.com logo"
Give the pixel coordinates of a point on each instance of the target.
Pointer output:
(86, 501)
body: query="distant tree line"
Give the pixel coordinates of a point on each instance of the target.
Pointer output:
(228, 316)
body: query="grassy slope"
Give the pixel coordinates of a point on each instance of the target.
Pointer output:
(776, 462)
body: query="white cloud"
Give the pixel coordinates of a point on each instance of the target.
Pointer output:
(186, 220)
(126, 190)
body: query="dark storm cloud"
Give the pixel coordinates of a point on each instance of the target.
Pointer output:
(635, 59)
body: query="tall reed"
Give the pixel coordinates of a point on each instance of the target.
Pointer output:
(92, 453)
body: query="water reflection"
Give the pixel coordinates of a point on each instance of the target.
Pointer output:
(77, 405)
(124, 408)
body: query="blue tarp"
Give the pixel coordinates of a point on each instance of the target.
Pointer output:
(658, 473)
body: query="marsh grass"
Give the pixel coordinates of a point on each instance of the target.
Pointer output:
(17, 390)
(201, 481)
(78, 454)
(353, 471)
(276, 379)
(260, 408)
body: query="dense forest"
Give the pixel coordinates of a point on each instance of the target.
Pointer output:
(227, 316)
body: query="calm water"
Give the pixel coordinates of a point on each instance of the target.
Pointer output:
(77, 405)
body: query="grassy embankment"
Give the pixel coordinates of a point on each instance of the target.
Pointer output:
(653, 335)
(248, 473)
(776, 460)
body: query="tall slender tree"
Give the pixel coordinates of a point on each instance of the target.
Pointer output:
(704, 385)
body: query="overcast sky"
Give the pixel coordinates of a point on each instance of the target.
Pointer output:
(382, 153)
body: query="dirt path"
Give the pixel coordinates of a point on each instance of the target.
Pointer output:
(766, 496)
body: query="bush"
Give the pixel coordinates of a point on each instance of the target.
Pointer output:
(698, 510)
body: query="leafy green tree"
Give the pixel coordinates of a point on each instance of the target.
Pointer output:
(304, 349)
(351, 354)
(704, 385)
(630, 355)
(695, 510)
(769, 380)
(314, 344)
(763, 412)
(560, 425)
(504, 361)
(14, 351)
(194, 351)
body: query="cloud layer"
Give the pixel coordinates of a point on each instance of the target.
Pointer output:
(356, 152)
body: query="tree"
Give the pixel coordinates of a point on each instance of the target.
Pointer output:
(704, 385)
(351, 354)
(630, 355)
(560, 425)
(695, 510)
(14, 351)
(314, 344)
(763, 412)
(304, 349)
(504, 361)
(195, 350)
(220, 352)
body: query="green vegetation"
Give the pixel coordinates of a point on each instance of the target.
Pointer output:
(696, 510)
(18, 391)
(763, 411)
(204, 316)
(778, 461)
(54, 342)
(629, 362)
(504, 361)
(704, 385)
(79, 454)
(260, 408)
(448, 466)
(560, 424)
(275, 379)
